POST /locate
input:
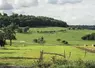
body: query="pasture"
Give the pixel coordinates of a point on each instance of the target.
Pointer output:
(23, 55)
(24, 49)
(72, 36)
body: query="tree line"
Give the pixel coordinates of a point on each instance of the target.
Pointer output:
(90, 27)
(89, 37)
(30, 20)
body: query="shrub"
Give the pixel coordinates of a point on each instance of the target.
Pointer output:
(44, 64)
(39, 40)
(90, 64)
(89, 37)
(65, 42)
(64, 63)
(23, 29)
(58, 40)
(35, 40)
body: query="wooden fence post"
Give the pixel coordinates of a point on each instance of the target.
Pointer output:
(64, 54)
(85, 53)
(69, 54)
(41, 56)
(53, 59)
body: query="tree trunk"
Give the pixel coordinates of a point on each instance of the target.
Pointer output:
(10, 42)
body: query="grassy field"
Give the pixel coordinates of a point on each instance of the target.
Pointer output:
(72, 36)
(21, 53)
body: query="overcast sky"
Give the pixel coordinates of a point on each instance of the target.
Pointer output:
(72, 11)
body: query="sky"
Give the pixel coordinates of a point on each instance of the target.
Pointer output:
(74, 12)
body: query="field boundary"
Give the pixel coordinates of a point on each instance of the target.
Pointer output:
(42, 53)
(88, 50)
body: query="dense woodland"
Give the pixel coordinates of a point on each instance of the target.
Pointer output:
(30, 20)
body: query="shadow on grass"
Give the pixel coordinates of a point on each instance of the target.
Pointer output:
(7, 52)
(4, 64)
(13, 49)
(17, 58)
(7, 65)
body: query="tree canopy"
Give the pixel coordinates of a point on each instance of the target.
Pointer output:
(30, 20)
(89, 37)
(7, 33)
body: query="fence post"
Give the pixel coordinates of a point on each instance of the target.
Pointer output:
(53, 59)
(69, 54)
(64, 54)
(41, 56)
(85, 53)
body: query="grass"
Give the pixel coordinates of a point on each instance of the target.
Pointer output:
(72, 36)
(23, 53)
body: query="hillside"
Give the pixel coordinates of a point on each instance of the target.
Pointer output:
(30, 20)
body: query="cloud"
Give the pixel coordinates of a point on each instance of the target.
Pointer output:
(4, 5)
(25, 3)
(69, 1)
(63, 1)
(52, 1)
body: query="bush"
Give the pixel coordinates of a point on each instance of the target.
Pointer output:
(23, 29)
(39, 40)
(89, 37)
(65, 42)
(90, 64)
(35, 40)
(64, 63)
(44, 64)
(58, 40)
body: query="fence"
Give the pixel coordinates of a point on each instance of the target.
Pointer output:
(42, 53)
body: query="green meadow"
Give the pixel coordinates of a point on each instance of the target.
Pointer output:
(72, 36)
(24, 49)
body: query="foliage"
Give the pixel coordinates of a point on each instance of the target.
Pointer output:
(1, 35)
(2, 40)
(65, 42)
(89, 37)
(9, 33)
(35, 40)
(23, 29)
(63, 63)
(29, 20)
(39, 40)
(58, 40)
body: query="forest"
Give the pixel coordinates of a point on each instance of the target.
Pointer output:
(30, 20)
